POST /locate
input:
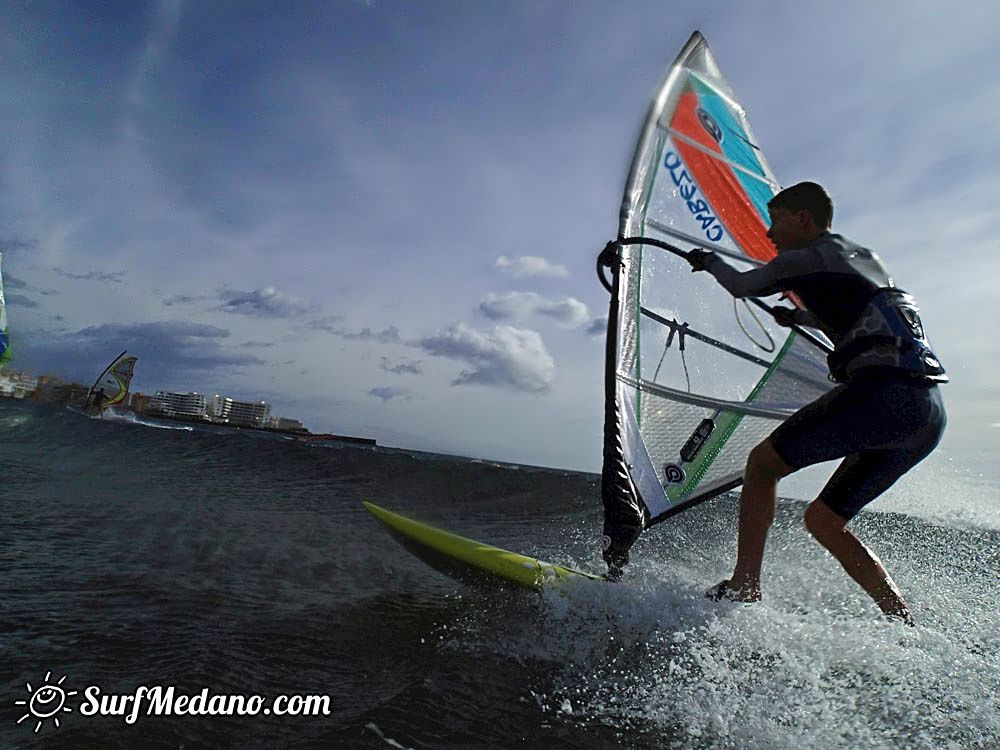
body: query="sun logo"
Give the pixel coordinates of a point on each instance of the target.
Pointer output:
(47, 702)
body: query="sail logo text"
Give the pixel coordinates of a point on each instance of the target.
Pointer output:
(698, 207)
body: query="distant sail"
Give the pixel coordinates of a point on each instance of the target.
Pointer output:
(114, 381)
(5, 353)
(694, 378)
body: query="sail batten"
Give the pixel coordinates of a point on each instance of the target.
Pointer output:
(681, 137)
(689, 390)
(775, 410)
(703, 244)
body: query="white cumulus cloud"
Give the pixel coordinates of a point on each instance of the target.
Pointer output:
(505, 357)
(518, 306)
(266, 302)
(530, 265)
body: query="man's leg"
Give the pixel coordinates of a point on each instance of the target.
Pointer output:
(757, 506)
(860, 562)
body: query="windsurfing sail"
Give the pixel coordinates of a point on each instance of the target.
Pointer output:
(5, 353)
(111, 388)
(694, 379)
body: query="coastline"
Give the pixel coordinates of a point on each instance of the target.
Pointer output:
(303, 435)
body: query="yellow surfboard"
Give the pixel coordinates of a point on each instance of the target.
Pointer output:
(471, 561)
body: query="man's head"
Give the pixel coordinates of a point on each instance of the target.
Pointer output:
(799, 214)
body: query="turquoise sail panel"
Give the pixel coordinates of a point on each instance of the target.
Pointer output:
(737, 147)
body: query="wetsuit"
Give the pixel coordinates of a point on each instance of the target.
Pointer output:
(886, 414)
(98, 402)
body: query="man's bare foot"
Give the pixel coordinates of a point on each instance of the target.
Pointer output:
(726, 590)
(891, 602)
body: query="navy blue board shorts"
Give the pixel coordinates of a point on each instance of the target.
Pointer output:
(884, 426)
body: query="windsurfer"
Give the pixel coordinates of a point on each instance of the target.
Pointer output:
(885, 415)
(97, 402)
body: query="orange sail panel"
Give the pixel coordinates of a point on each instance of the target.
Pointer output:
(718, 183)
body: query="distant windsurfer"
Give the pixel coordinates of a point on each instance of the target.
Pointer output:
(97, 402)
(884, 416)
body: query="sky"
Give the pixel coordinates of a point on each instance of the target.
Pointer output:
(382, 217)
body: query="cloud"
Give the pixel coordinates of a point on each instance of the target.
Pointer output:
(179, 299)
(115, 277)
(517, 306)
(19, 300)
(330, 324)
(168, 351)
(266, 302)
(388, 335)
(161, 36)
(14, 245)
(388, 392)
(405, 367)
(598, 326)
(505, 357)
(530, 265)
(14, 282)
(10, 282)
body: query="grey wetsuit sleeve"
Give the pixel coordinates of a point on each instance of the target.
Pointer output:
(777, 276)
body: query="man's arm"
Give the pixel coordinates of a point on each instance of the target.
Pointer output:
(757, 282)
(776, 276)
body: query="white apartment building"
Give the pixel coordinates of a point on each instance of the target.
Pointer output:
(179, 404)
(249, 413)
(17, 384)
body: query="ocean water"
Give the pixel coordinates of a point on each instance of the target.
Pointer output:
(138, 556)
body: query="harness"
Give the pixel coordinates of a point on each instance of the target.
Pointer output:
(887, 335)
